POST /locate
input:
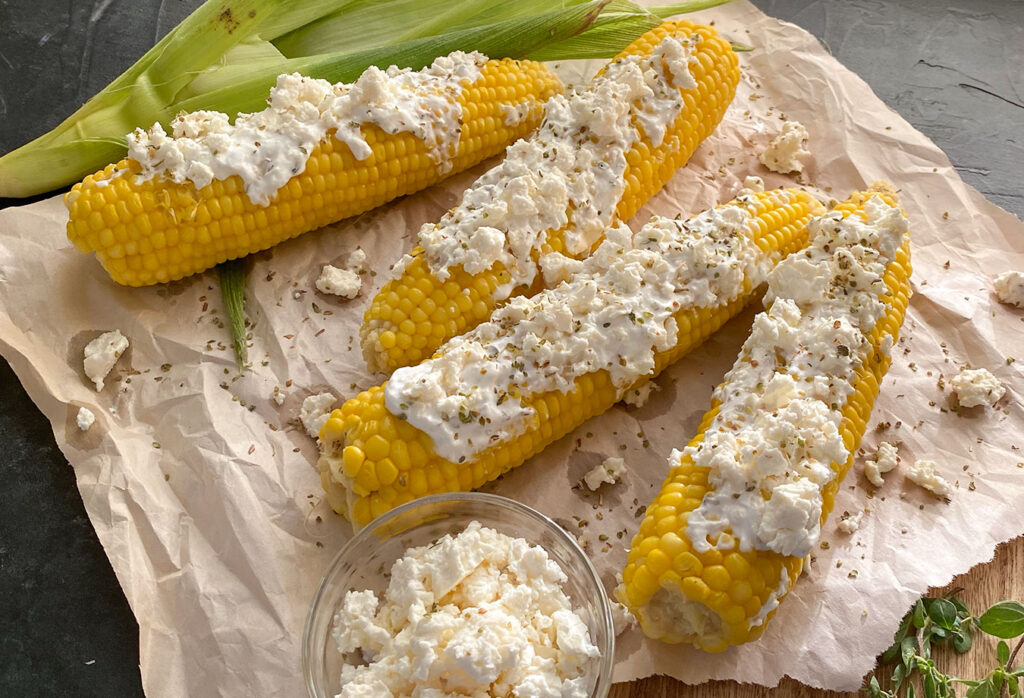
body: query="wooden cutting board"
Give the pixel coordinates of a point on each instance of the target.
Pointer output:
(1002, 578)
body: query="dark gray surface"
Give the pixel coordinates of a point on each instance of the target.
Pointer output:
(955, 70)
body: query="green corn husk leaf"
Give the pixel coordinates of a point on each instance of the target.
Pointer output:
(227, 54)
(232, 288)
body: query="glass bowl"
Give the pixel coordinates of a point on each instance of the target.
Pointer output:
(365, 560)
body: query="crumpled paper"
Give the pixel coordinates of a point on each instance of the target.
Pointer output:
(204, 492)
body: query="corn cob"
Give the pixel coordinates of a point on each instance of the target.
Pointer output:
(701, 573)
(152, 229)
(423, 306)
(374, 457)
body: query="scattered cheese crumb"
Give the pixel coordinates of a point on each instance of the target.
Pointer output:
(339, 282)
(887, 457)
(977, 386)
(316, 409)
(785, 152)
(850, 522)
(278, 395)
(608, 471)
(622, 619)
(101, 354)
(638, 397)
(923, 473)
(751, 185)
(85, 418)
(1009, 288)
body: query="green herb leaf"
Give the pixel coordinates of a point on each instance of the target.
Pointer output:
(942, 612)
(962, 639)
(1004, 619)
(1003, 652)
(232, 286)
(919, 614)
(908, 650)
(985, 689)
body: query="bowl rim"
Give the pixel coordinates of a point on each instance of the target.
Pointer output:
(607, 658)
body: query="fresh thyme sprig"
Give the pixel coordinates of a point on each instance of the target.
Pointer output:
(935, 621)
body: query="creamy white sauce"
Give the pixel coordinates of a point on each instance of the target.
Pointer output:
(478, 614)
(269, 147)
(613, 315)
(773, 601)
(771, 446)
(568, 175)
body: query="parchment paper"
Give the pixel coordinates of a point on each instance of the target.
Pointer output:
(205, 497)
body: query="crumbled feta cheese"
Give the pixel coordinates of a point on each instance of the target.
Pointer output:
(609, 470)
(267, 148)
(974, 387)
(622, 619)
(785, 152)
(85, 418)
(849, 523)
(339, 282)
(516, 114)
(923, 473)
(478, 614)
(101, 354)
(772, 443)
(751, 185)
(1009, 288)
(615, 313)
(278, 395)
(887, 457)
(568, 176)
(315, 411)
(356, 260)
(638, 396)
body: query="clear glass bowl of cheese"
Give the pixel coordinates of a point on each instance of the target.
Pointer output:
(366, 561)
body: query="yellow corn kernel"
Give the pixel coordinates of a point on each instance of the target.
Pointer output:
(648, 168)
(219, 222)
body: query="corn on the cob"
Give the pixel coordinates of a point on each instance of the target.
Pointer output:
(544, 365)
(173, 216)
(726, 537)
(444, 288)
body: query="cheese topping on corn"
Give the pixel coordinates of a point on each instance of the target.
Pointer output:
(569, 174)
(268, 148)
(613, 315)
(476, 614)
(771, 446)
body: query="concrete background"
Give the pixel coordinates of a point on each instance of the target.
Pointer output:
(953, 69)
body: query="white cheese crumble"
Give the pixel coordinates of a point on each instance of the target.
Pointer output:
(638, 396)
(315, 411)
(101, 354)
(615, 313)
(478, 614)
(85, 418)
(974, 387)
(609, 470)
(771, 447)
(339, 282)
(923, 473)
(886, 459)
(622, 619)
(516, 114)
(278, 395)
(786, 151)
(849, 523)
(1009, 288)
(568, 176)
(267, 148)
